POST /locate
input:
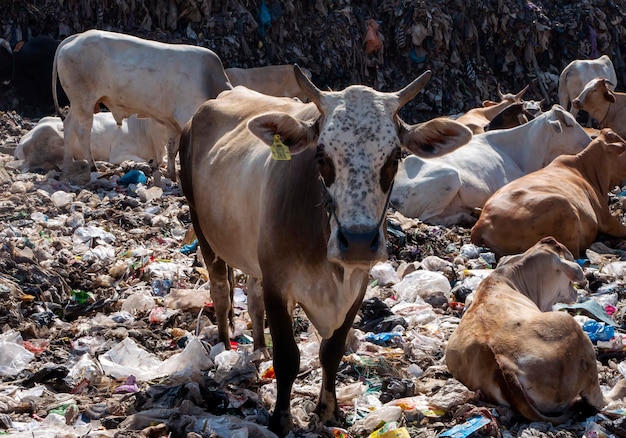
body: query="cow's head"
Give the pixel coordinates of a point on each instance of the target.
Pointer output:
(545, 273)
(595, 98)
(614, 162)
(563, 134)
(511, 116)
(358, 135)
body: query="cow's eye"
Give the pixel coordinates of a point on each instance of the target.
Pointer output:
(325, 166)
(389, 169)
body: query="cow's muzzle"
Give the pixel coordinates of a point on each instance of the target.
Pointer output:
(359, 245)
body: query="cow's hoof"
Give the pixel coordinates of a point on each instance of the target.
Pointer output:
(329, 414)
(280, 424)
(78, 173)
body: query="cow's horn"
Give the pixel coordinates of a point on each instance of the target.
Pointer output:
(4, 43)
(500, 93)
(310, 90)
(410, 91)
(519, 95)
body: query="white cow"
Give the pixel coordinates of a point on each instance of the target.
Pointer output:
(446, 190)
(131, 75)
(136, 139)
(578, 73)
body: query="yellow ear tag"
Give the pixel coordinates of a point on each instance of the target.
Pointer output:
(280, 151)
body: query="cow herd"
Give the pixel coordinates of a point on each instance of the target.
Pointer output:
(291, 185)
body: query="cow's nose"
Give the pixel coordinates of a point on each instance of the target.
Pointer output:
(576, 103)
(358, 245)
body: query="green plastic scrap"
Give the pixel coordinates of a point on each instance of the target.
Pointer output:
(590, 307)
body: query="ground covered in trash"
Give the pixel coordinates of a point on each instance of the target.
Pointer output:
(101, 282)
(107, 327)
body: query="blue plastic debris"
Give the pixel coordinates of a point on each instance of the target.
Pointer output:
(598, 331)
(190, 247)
(133, 177)
(384, 339)
(264, 17)
(466, 429)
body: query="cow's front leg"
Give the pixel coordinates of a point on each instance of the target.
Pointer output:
(286, 356)
(331, 352)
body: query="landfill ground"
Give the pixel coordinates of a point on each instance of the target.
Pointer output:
(102, 281)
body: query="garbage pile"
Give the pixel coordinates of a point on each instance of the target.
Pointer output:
(106, 316)
(108, 329)
(471, 46)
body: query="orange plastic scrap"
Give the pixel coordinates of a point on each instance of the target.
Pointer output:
(372, 40)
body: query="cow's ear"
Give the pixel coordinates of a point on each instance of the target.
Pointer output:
(488, 103)
(556, 125)
(294, 133)
(433, 138)
(616, 148)
(609, 95)
(572, 270)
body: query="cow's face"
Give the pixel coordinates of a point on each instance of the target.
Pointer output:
(545, 273)
(357, 157)
(357, 137)
(595, 97)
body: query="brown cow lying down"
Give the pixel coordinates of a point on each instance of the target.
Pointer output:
(476, 118)
(567, 199)
(539, 364)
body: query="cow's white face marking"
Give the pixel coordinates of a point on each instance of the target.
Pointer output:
(357, 156)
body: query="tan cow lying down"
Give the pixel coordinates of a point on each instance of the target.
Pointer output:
(274, 80)
(568, 199)
(538, 363)
(136, 139)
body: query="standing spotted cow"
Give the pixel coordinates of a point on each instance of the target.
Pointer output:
(310, 225)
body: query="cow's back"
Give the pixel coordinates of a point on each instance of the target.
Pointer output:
(274, 80)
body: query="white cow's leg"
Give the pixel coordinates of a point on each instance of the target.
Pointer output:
(172, 151)
(77, 137)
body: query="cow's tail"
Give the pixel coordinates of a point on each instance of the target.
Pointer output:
(515, 394)
(55, 75)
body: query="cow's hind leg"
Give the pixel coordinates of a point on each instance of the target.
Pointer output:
(221, 280)
(285, 353)
(256, 309)
(331, 352)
